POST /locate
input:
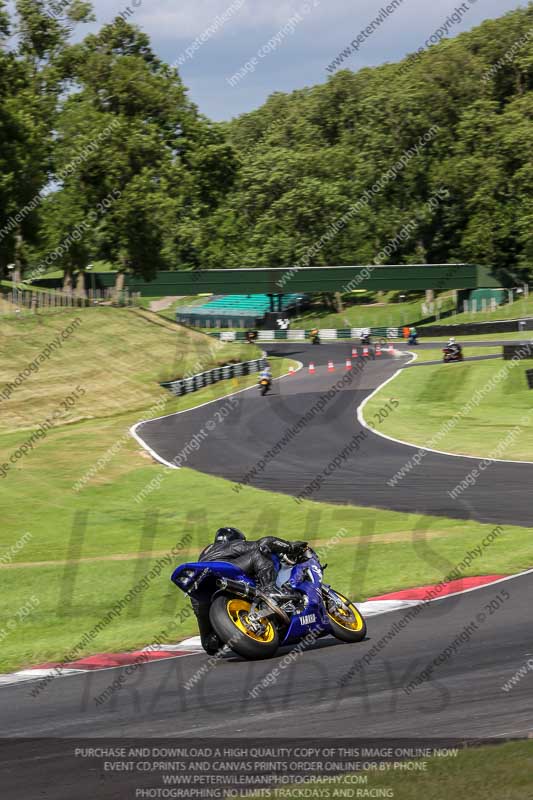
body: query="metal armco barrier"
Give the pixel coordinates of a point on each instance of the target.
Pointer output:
(520, 351)
(194, 382)
(478, 328)
(327, 334)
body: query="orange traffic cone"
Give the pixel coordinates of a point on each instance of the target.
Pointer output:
(378, 349)
(391, 348)
(291, 370)
(312, 369)
(354, 352)
(331, 366)
(348, 364)
(365, 352)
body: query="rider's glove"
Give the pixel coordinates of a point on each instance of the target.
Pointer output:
(298, 546)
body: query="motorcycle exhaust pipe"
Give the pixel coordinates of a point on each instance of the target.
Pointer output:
(250, 592)
(238, 587)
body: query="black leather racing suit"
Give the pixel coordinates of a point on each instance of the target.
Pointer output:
(254, 558)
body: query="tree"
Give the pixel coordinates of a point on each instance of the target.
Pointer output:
(33, 83)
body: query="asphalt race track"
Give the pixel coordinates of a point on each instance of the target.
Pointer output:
(329, 691)
(254, 425)
(314, 698)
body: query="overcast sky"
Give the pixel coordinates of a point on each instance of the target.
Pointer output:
(305, 36)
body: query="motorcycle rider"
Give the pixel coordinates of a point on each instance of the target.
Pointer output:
(315, 336)
(265, 375)
(253, 558)
(453, 347)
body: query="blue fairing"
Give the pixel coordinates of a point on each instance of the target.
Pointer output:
(307, 578)
(201, 583)
(198, 580)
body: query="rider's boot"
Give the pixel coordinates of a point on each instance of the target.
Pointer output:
(211, 644)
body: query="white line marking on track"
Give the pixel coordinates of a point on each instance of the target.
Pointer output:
(416, 447)
(156, 456)
(191, 643)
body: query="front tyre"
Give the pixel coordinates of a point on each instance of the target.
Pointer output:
(229, 618)
(346, 621)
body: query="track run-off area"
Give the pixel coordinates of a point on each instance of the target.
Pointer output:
(378, 688)
(307, 439)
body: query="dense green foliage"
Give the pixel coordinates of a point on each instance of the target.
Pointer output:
(124, 167)
(306, 158)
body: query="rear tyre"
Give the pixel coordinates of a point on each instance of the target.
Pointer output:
(229, 618)
(346, 621)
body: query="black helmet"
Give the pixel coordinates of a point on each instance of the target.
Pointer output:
(229, 535)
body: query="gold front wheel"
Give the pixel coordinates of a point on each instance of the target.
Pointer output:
(347, 622)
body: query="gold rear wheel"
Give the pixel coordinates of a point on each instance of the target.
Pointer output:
(230, 618)
(238, 611)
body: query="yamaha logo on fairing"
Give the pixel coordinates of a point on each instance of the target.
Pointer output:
(308, 619)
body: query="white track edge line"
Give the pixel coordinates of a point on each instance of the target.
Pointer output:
(160, 459)
(363, 422)
(70, 673)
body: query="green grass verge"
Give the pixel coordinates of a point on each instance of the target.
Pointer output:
(430, 396)
(517, 310)
(89, 548)
(360, 316)
(495, 772)
(479, 337)
(116, 356)
(100, 514)
(436, 354)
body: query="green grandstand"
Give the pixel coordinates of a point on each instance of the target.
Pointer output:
(237, 310)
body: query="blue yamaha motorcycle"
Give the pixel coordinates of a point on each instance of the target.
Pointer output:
(254, 624)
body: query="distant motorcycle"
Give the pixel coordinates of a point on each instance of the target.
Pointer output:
(254, 624)
(264, 386)
(315, 337)
(452, 354)
(366, 339)
(413, 339)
